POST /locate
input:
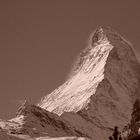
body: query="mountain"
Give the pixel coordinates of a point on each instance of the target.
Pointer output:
(102, 88)
(98, 96)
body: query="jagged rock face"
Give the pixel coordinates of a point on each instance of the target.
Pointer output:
(132, 130)
(102, 88)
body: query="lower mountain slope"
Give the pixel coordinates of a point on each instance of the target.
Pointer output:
(35, 123)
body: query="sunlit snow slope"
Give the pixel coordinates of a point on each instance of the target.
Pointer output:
(75, 93)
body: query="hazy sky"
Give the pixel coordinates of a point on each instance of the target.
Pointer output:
(40, 39)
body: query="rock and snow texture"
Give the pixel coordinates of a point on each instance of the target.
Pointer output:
(98, 95)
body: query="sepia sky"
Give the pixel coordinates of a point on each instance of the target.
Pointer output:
(40, 39)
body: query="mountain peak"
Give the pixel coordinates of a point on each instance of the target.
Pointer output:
(103, 39)
(102, 34)
(98, 35)
(24, 107)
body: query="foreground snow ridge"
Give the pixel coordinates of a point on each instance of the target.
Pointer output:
(98, 96)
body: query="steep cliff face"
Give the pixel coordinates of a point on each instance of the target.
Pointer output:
(102, 88)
